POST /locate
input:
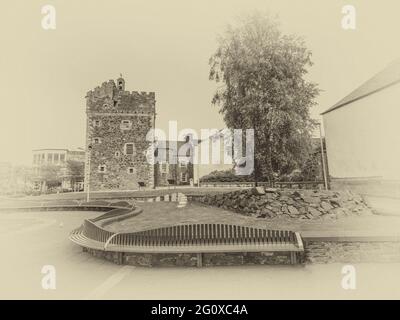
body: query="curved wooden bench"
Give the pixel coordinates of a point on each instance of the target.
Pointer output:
(190, 238)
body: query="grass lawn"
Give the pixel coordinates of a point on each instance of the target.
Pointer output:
(162, 214)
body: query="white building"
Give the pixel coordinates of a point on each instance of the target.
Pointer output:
(58, 159)
(362, 132)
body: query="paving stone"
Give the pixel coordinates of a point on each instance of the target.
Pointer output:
(326, 206)
(293, 210)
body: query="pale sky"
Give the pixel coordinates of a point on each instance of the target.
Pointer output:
(162, 46)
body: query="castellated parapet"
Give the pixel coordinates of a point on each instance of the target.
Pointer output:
(117, 124)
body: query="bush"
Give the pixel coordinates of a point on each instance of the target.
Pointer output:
(225, 176)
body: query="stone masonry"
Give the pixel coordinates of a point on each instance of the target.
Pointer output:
(117, 124)
(292, 204)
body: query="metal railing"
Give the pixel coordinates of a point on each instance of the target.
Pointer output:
(190, 235)
(204, 234)
(275, 184)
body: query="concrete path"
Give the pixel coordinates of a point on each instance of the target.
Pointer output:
(29, 241)
(384, 205)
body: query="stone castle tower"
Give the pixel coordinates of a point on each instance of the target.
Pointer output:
(117, 124)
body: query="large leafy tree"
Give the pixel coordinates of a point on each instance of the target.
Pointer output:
(50, 174)
(261, 85)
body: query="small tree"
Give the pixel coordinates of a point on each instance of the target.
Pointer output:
(50, 174)
(75, 170)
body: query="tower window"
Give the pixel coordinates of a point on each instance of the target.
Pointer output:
(96, 123)
(129, 149)
(102, 168)
(131, 170)
(117, 154)
(96, 140)
(126, 125)
(121, 83)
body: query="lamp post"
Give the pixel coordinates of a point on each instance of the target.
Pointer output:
(88, 174)
(323, 158)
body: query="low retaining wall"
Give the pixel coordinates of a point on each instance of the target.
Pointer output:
(300, 204)
(196, 259)
(337, 251)
(316, 252)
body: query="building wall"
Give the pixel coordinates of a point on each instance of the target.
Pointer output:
(49, 157)
(173, 164)
(107, 107)
(363, 139)
(179, 173)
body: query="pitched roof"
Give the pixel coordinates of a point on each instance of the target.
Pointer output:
(386, 78)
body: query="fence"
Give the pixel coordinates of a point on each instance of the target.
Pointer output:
(275, 184)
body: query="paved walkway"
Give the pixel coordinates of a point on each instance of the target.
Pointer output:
(384, 205)
(82, 276)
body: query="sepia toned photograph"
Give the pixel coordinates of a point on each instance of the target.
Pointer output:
(200, 150)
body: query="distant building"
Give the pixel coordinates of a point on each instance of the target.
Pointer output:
(118, 122)
(362, 135)
(176, 167)
(59, 169)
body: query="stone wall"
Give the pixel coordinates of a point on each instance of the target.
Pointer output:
(161, 259)
(107, 107)
(192, 259)
(297, 204)
(115, 257)
(318, 251)
(249, 258)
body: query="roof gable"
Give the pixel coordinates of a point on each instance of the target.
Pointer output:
(386, 78)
